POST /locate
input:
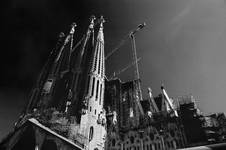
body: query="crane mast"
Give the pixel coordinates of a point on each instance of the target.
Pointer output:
(131, 36)
(137, 74)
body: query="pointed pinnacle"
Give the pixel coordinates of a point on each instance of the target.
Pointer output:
(149, 89)
(73, 25)
(162, 86)
(92, 18)
(61, 35)
(101, 21)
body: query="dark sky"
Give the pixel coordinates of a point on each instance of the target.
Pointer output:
(182, 46)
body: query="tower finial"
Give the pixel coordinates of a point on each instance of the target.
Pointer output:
(162, 86)
(92, 18)
(102, 21)
(149, 89)
(73, 25)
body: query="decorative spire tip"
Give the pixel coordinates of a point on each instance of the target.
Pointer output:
(61, 35)
(92, 18)
(73, 25)
(149, 89)
(101, 21)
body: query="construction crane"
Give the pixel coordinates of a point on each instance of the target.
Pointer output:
(152, 101)
(137, 74)
(131, 35)
(168, 100)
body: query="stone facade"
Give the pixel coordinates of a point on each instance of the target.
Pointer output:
(128, 129)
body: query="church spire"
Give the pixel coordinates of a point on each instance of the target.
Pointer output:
(93, 117)
(98, 60)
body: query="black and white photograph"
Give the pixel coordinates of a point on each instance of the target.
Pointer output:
(113, 75)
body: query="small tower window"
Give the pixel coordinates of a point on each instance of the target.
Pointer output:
(93, 86)
(100, 94)
(87, 88)
(95, 111)
(91, 133)
(132, 139)
(90, 108)
(97, 90)
(102, 68)
(99, 62)
(113, 142)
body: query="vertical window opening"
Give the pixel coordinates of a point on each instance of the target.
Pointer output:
(93, 86)
(102, 64)
(97, 89)
(100, 94)
(99, 61)
(113, 142)
(91, 133)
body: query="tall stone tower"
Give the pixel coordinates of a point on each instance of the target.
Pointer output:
(93, 118)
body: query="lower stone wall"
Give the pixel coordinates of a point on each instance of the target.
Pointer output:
(145, 139)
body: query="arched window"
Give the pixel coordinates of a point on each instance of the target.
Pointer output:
(172, 144)
(100, 94)
(177, 144)
(99, 61)
(151, 135)
(148, 147)
(91, 133)
(172, 133)
(96, 56)
(97, 90)
(159, 145)
(113, 142)
(132, 139)
(93, 86)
